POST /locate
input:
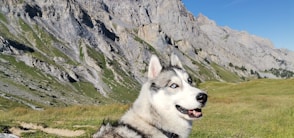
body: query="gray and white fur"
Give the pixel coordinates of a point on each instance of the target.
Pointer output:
(165, 108)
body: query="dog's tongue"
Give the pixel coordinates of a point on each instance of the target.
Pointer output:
(194, 113)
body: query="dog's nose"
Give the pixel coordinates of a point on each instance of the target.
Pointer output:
(202, 98)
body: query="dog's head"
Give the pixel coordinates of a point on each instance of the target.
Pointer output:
(172, 92)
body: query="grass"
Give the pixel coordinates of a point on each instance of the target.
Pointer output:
(5, 31)
(43, 41)
(125, 91)
(88, 89)
(6, 104)
(3, 18)
(24, 68)
(64, 117)
(226, 74)
(143, 42)
(67, 89)
(204, 71)
(257, 108)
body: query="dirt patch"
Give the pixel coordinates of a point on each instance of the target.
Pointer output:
(84, 126)
(30, 127)
(18, 130)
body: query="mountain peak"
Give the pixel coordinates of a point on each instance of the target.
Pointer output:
(201, 20)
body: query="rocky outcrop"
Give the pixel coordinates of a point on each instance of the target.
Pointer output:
(244, 49)
(88, 49)
(6, 135)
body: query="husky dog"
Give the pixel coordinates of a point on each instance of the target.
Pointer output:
(165, 108)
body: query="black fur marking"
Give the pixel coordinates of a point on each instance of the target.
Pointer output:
(169, 134)
(171, 68)
(160, 81)
(190, 80)
(133, 129)
(154, 87)
(116, 124)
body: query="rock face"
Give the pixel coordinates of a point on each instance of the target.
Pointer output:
(94, 51)
(244, 49)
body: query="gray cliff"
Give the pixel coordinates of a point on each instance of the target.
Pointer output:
(96, 51)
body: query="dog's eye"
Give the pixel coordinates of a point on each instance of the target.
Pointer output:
(173, 85)
(190, 81)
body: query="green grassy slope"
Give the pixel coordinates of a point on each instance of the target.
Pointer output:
(42, 42)
(258, 108)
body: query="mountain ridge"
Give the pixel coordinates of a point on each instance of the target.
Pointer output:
(93, 52)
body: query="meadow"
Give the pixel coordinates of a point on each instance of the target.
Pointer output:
(261, 108)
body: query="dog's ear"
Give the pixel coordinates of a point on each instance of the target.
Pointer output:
(175, 61)
(154, 67)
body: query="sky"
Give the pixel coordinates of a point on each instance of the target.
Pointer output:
(271, 19)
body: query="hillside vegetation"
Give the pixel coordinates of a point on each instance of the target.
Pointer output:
(258, 108)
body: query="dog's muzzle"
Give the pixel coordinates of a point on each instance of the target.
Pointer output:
(197, 112)
(202, 98)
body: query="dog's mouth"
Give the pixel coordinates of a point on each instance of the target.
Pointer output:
(192, 113)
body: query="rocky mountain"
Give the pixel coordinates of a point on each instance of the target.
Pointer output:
(96, 51)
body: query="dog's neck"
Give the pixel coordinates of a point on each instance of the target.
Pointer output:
(169, 134)
(166, 133)
(167, 125)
